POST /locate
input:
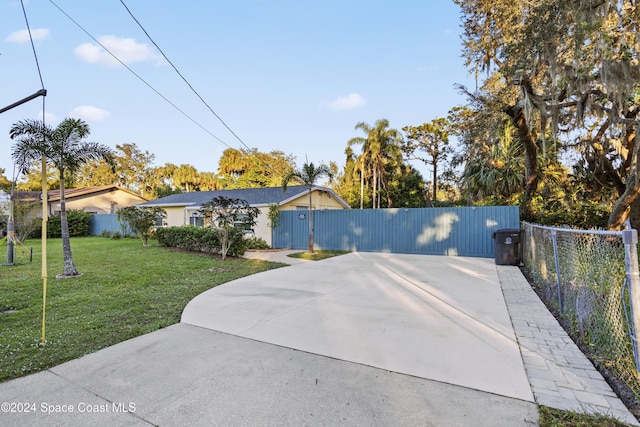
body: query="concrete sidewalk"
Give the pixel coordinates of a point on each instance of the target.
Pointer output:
(360, 339)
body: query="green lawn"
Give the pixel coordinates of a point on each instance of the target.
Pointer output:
(550, 417)
(125, 290)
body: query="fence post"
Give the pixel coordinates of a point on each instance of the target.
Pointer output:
(630, 240)
(556, 257)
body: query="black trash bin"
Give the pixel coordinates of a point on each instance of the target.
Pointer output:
(506, 246)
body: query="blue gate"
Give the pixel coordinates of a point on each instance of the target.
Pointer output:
(465, 231)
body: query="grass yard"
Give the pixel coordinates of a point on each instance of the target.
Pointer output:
(125, 290)
(550, 417)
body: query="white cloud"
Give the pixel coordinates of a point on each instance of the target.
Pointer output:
(22, 36)
(128, 50)
(49, 118)
(348, 102)
(89, 113)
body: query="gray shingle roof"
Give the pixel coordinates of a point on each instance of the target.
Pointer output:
(253, 196)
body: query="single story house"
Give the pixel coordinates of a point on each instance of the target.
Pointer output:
(182, 209)
(104, 199)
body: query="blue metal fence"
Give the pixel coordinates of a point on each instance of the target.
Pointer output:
(103, 222)
(466, 231)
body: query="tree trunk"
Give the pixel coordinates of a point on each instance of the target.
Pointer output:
(362, 185)
(374, 187)
(224, 242)
(383, 185)
(310, 223)
(531, 153)
(427, 198)
(620, 211)
(634, 213)
(69, 267)
(609, 170)
(435, 180)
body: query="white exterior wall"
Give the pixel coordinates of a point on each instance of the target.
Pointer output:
(262, 229)
(175, 216)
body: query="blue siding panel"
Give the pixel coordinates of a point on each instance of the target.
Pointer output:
(465, 231)
(103, 222)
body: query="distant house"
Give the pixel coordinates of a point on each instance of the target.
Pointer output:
(102, 199)
(182, 209)
(105, 199)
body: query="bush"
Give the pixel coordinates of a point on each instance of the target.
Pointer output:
(78, 222)
(200, 239)
(114, 235)
(256, 243)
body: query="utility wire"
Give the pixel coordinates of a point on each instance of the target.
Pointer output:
(137, 75)
(33, 46)
(248, 152)
(181, 76)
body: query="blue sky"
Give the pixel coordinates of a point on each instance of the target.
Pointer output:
(290, 75)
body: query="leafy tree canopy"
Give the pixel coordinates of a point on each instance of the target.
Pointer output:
(142, 220)
(226, 215)
(246, 168)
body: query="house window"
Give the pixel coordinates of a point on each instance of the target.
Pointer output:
(242, 225)
(196, 219)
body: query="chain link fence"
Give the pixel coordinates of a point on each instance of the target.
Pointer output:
(583, 276)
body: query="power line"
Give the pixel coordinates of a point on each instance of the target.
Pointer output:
(181, 76)
(248, 152)
(33, 46)
(138, 76)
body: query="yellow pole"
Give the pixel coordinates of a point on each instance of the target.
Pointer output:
(45, 216)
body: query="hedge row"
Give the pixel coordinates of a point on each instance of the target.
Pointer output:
(200, 239)
(78, 222)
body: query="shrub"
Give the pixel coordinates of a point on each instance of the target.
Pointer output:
(142, 220)
(200, 239)
(114, 235)
(256, 243)
(78, 222)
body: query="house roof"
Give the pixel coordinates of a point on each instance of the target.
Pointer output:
(70, 193)
(254, 196)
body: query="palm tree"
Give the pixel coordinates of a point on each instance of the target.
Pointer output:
(380, 144)
(499, 173)
(65, 149)
(308, 176)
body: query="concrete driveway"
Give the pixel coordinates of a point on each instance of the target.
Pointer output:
(439, 318)
(364, 339)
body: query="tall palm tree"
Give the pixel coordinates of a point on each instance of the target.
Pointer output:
(380, 144)
(65, 149)
(308, 176)
(500, 173)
